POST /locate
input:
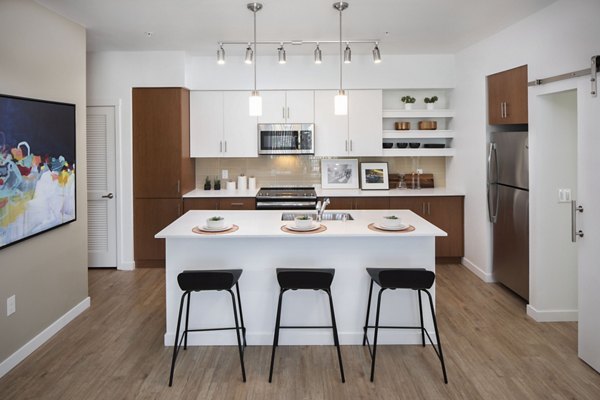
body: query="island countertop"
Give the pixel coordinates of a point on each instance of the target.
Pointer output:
(267, 223)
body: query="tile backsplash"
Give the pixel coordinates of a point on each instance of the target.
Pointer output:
(305, 170)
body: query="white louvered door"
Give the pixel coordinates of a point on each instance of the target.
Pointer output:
(101, 174)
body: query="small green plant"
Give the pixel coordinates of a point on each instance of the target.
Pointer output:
(207, 183)
(391, 217)
(430, 100)
(217, 182)
(408, 99)
(215, 218)
(303, 217)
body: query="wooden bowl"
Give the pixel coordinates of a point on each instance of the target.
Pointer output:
(402, 126)
(427, 125)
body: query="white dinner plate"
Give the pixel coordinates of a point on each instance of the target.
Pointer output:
(209, 229)
(307, 229)
(392, 228)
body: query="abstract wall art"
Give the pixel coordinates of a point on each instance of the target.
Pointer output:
(37, 167)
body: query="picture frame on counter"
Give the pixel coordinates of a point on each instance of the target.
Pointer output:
(374, 176)
(339, 173)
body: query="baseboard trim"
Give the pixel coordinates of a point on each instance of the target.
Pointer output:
(126, 266)
(19, 355)
(481, 274)
(552, 315)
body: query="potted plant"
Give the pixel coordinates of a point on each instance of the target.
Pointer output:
(429, 101)
(217, 184)
(408, 102)
(207, 183)
(215, 222)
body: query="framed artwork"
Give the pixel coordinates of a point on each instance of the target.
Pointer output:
(37, 167)
(339, 174)
(374, 176)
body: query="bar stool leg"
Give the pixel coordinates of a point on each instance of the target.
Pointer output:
(237, 333)
(336, 339)
(237, 289)
(276, 335)
(437, 335)
(175, 349)
(187, 320)
(368, 310)
(421, 315)
(376, 332)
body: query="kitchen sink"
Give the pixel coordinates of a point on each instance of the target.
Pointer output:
(327, 216)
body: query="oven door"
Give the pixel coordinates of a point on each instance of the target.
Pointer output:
(286, 139)
(285, 205)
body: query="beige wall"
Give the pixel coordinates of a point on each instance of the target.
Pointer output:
(42, 55)
(300, 170)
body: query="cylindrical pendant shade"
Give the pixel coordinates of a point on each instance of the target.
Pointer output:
(341, 103)
(255, 104)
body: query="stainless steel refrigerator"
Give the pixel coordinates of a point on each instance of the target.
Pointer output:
(508, 207)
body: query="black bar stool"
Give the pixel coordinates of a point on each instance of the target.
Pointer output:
(204, 280)
(305, 278)
(418, 279)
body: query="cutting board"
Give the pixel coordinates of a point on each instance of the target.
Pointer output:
(426, 181)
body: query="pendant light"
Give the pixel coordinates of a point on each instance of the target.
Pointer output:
(255, 101)
(341, 100)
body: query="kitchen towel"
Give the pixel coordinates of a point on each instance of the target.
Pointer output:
(230, 185)
(241, 183)
(252, 183)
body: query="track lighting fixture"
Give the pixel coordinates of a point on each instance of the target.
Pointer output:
(221, 55)
(318, 57)
(281, 55)
(249, 55)
(376, 54)
(347, 54)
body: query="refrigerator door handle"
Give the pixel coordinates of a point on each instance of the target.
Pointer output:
(493, 215)
(574, 231)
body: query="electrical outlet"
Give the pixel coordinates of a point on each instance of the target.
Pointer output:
(564, 195)
(419, 171)
(11, 305)
(224, 174)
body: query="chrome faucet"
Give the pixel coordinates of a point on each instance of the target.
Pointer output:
(321, 208)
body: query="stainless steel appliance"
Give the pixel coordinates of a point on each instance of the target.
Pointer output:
(508, 207)
(286, 198)
(286, 139)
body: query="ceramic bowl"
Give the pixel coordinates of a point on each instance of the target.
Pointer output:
(301, 223)
(215, 222)
(391, 221)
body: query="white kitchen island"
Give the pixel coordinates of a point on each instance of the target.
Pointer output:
(260, 246)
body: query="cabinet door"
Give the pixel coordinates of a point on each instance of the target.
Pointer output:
(300, 106)
(273, 107)
(447, 213)
(150, 216)
(341, 203)
(240, 137)
(372, 203)
(206, 124)
(238, 203)
(496, 98)
(200, 204)
(414, 204)
(516, 93)
(365, 127)
(157, 147)
(331, 131)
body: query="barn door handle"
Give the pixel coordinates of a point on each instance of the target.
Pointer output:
(108, 196)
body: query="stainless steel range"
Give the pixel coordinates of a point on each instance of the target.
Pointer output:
(286, 198)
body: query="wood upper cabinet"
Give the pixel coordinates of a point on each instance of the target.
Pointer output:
(445, 212)
(162, 167)
(507, 97)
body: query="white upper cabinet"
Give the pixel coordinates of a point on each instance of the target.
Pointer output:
(331, 131)
(365, 123)
(357, 134)
(220, 125)
(206, 124)
(294, 106)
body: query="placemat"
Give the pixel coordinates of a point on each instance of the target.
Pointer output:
(201, 232)
(376, 229)
(322, 228)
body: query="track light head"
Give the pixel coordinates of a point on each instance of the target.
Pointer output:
(249, 55)
(281, 55)
(347, 54)
(376, 54)
(318, 55)
(221, 55)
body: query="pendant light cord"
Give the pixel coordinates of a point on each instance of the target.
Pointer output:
(255, 52)
(340, 48)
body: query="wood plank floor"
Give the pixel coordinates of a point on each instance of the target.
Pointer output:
(493, 351)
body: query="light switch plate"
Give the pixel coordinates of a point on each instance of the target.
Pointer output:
(11, 305)
(224, 174)
(564, 195)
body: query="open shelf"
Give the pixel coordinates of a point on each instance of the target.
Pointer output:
(419, 152)
(418, 134)
(419, 113)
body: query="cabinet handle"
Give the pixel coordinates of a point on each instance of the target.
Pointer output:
(283, 112)
(178, 186)
(288, 113)
(346, 145)
(505, 110)
(220, 146)
(225, 146)
(237, 204)
(351, 145)
(428, 208)
(423, 208)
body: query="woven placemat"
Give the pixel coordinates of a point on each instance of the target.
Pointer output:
(322, 228)
(201, 232)
(376, 229)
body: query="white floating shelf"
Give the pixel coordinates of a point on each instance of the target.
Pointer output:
(398, 113)
(418, 134)
(419, 152)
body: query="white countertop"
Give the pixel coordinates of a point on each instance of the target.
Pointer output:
(263, 223)
(199, 193)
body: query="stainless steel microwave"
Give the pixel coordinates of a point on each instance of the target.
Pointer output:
(286, 138)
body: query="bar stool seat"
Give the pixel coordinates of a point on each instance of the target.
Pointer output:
(305, 279)
(418, 279)
(209, 280)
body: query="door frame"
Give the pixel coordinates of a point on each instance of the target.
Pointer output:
(117, 105)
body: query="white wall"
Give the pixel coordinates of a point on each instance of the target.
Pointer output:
(558, 39)
(111, 75)
(42, 55)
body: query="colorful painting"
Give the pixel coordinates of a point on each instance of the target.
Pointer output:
(37, 167)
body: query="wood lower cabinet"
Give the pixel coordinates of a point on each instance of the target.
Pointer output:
(220, 203)
(507, 97)
(445, 212)
(359, 203)
(149, 217)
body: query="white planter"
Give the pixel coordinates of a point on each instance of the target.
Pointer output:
(408, 106)
(430, 106)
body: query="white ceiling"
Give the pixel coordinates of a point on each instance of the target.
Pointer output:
(404, 26)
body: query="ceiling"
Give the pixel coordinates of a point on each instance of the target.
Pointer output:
(403, 26)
